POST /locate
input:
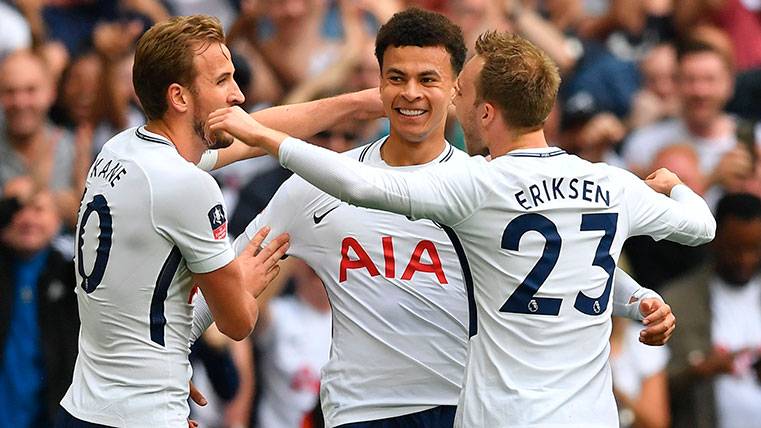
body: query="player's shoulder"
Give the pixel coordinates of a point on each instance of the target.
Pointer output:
(366, 152)
(456, 156)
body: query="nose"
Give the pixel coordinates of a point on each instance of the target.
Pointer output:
(236, 97)
(411, 90)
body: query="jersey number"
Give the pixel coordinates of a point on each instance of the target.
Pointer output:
(523, 300)
(99, 206)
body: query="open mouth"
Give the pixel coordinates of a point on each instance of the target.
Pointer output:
(410, 112)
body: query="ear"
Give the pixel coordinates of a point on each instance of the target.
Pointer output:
(488, 114)
(178, 98)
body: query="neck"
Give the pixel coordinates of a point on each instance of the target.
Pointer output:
(26, 145)
(183, 138)
(717, 127)
(399, 152)
(508, 142)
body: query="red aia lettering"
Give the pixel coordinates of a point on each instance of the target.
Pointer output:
(415, 264)
(363, 260)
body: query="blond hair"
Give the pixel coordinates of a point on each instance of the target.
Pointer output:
(518, 77)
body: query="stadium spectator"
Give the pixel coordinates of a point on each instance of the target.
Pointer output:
(640, 384)
(38, 312)
(657, 98)
(294, 339)
(705, 83)
(711, 375)
(29, 143)
(740, 19)
(656, 262)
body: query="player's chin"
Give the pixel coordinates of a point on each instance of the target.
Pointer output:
(219, 140)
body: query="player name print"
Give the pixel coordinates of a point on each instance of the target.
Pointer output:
(354, 256)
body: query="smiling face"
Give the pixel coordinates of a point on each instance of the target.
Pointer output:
(213, 88)
(25, 94)
(417, 84)
(705, 85)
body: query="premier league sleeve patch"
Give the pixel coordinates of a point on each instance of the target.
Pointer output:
(218, 222)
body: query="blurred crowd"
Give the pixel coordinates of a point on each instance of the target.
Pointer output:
(646, 84)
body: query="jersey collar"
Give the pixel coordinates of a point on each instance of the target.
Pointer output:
(373, 154)
(544, 152)
(147, 135)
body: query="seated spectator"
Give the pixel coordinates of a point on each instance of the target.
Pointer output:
(39, 326)
(711, 375)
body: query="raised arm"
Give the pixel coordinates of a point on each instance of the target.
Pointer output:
(445, 196)
(302, 121)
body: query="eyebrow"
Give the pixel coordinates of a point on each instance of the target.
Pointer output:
(424, 73)
(221, 76)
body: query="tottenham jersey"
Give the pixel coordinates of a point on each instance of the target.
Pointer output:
(397, 296)
(541, 231)
(148, 219)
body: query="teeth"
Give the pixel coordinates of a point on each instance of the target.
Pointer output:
(408, 112)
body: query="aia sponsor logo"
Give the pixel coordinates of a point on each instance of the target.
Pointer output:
(354, 256)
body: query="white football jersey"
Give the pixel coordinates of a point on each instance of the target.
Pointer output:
(148, 219)
(397, 296)
(542, 231)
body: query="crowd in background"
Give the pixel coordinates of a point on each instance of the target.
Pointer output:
(646, 84)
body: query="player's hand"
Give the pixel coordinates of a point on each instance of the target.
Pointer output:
(260, 266)
(197, 398)
(236, 122)
(196, 395)
(659, 322)
(662, 181)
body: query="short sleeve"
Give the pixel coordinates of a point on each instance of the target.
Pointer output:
(281, 214)
(191, 213)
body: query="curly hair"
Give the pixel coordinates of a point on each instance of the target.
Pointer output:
(417, 27)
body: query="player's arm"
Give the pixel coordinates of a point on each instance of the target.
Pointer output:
(682, 217)
(443, 195)
(631, 300)
(230, 292)
(279, 216)
(301, 120)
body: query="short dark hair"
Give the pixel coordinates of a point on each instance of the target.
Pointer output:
(422, 28)
(743, 206)
(689, 47)
(164, 55)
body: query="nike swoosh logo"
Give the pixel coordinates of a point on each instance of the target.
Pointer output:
(318, 219)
